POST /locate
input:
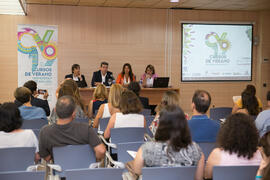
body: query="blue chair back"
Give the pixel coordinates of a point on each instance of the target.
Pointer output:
(96, 174)
(34, 123)
(146, 112)
(234, 172)
(22, 175)
(16, 159)
(149, 119)
(103, 122)
(84, 120)
(122, 149)
(220, 112)
(207, 148)
(36, 132)
(129, 134)
(74, 156)
(170, 173)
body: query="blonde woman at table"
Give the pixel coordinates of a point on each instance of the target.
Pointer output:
(108, 109)
(149, 76)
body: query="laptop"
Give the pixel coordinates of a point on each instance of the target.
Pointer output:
(161, 82)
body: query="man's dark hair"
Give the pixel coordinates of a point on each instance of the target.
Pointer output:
(135, 87)
(202, 101)
(104, 63)
(10, 117)
(239, 135)
(268, 96)
(22, 94)
(173, 127)
(65, 106)
(75, 66)
(32, 85)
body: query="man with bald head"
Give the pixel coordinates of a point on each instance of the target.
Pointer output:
(201, 127)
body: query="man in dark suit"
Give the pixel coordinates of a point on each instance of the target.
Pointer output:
(103, 76)
(32, 85)
(135, 87)
(77, 76)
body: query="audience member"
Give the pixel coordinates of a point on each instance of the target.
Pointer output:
(251, 90)
(108, 109)
(126, 76)
(263, 172)
(169, 98)
(77, 76)
(27, 111)
(32, 85)
(135, 87)
(202, 128)
(237, 144)
(67, 132)
(149, 76)
(103, 76)
(173, 145)
(99, 97)
(250, 104)
(11, 134)
(69, 87)
(263, 119)
(130, 107)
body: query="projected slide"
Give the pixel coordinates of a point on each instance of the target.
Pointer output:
(215, 52)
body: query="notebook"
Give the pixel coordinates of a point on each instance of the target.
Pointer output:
(161, 82)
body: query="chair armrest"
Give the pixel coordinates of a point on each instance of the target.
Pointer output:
(112, 145)
(117, 164)
(148, 138)
(55, 167)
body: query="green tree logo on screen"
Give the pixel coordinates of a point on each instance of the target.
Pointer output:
(218, 44)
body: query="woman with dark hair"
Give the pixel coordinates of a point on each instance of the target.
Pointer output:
(126, 76)
(251, 90)
(77, 76)
(249, 104)
(11, 134)
(129, 115)
(237, 144)
(149, 76)
(263, 172)
(172, 146)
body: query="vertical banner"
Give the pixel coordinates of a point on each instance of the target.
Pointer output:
(37, 57)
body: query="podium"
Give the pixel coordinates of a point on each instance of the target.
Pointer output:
(153, 94)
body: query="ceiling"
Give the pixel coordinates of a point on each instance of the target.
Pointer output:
(256, 5)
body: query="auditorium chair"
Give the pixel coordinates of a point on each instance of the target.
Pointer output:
(34, 123)
(22, 175)
(207, 148)
(122, 148)
(218, 113)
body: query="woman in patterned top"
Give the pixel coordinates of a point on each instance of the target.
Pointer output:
(173, 145)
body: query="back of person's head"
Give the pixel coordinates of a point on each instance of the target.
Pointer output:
(65, 106)
(250, 103)
(115, 95)
(130, 103)
(100, 92)
(239, 135)
(251, 89)
(10, 117)
(201, 100)
(22, 94)
(168, 98)
(75, 66)
(32, 85)
(135, 87)
(173, 127)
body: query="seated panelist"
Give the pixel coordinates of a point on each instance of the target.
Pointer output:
(77, 76)
(149, 76)
(103, 76)
(126, 76)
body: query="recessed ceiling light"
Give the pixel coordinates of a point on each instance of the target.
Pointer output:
(174, 1)
(14, 7)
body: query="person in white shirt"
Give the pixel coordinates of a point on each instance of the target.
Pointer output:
(11, 134)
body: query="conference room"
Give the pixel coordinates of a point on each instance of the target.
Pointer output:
(216, 46)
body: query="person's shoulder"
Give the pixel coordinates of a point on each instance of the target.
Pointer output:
(68, 76)
(264, 115)
(96, 72)
(47, 128)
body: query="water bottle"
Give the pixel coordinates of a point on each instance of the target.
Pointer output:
(140, 82)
